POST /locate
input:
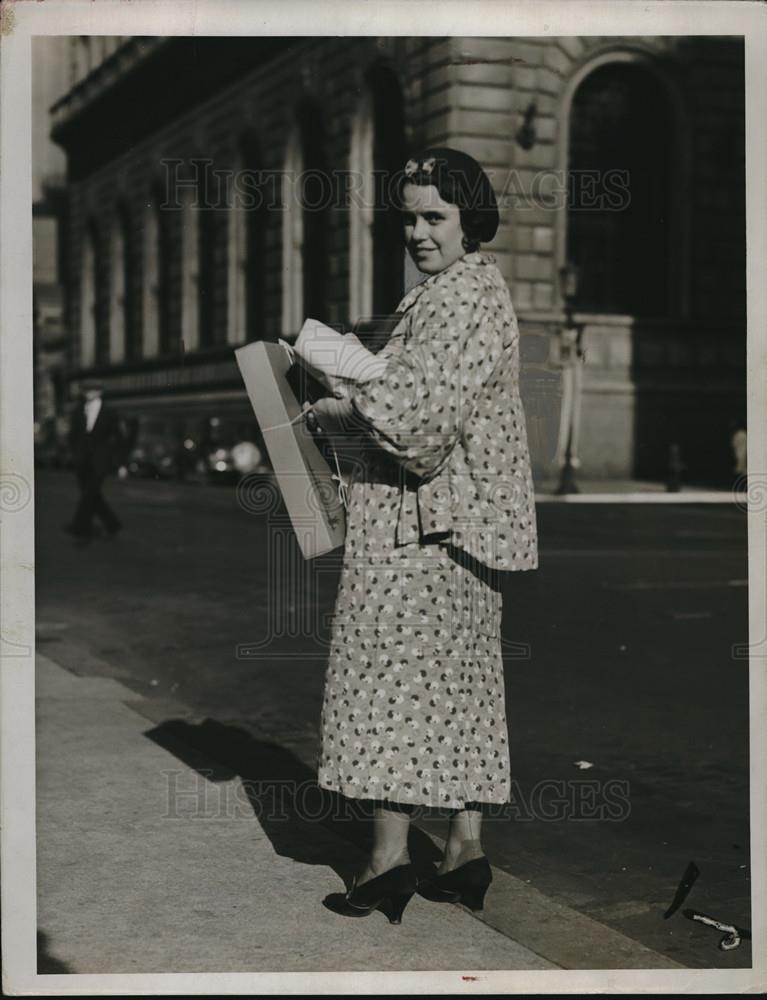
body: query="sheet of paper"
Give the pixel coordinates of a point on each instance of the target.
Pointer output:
(335, 358)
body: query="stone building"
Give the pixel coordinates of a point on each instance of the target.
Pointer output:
(221, 189)
(50, 335)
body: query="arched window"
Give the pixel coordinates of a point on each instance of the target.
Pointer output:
(361, 210)
(246, 250)
(377, 154)
(307, 196)
(150, 283)
(315, 191)
(237, 260)
(160, 277)
(292, 238)
(168, 276)
(190, 271)
(131, 317)
(621, 212)
(118, 290)
(207, 226)
(88, 299)
(101, 295)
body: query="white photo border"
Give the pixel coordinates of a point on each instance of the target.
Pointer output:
(18, 23)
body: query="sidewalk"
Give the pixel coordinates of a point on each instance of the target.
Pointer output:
(634, 491)
(126, 886)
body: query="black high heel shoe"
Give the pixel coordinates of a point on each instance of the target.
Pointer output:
(466, 884)
(390, 892)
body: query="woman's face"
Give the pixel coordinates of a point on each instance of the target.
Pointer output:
(433, 230)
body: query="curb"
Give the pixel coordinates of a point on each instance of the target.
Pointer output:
(739, 500)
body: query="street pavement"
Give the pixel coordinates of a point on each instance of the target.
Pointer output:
(628, 704)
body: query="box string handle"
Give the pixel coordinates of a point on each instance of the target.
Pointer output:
(288, 423)
(343, 489)
(341, 485)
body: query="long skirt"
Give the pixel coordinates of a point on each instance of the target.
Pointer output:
(413, 709)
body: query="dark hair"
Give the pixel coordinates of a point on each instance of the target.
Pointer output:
(460, 181)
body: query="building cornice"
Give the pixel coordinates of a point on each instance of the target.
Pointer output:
(146, 84)
(124, 60)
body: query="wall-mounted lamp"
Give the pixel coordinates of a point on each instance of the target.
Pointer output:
(568, 284)
(526, 136)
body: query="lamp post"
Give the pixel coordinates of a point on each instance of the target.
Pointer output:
(571, 356)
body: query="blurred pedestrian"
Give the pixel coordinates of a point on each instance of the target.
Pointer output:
(414, 710)
(97, 443)
(739, 444)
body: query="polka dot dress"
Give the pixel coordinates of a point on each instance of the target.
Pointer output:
(414, 705)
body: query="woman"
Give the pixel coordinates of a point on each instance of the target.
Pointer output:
(413, 710)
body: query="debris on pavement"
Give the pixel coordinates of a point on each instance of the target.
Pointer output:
(732, 935)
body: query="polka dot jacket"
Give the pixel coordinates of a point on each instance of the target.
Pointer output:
(448, 410)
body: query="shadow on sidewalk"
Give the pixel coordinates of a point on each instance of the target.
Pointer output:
(46, 963)
(303, 821)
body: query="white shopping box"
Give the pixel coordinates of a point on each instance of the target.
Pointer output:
(309, 489)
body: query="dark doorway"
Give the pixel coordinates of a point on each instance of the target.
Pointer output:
(388, 158)
(620, 191)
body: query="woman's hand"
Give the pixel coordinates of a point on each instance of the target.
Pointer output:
(330, 415)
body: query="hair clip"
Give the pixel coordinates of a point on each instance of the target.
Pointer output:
(421, 166)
